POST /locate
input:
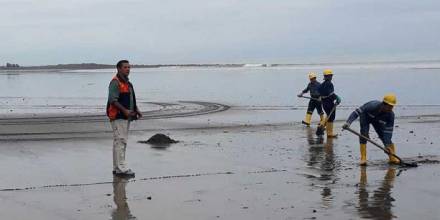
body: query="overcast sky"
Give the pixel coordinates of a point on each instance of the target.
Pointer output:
(35, 32)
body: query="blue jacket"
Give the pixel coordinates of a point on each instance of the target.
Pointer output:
(327, 91)
(370, 113)
(313, 88)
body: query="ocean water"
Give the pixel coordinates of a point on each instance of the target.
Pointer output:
(85, 91)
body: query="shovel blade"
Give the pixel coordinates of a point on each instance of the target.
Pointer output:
(320, 131)
(409, 164)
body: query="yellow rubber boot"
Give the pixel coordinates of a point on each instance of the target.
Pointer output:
(308, 119)
(363, 150)
(393, 160)
(321, 122)
(329, 129)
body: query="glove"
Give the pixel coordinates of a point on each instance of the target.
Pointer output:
(300, 95)
(346, 125)
(338, 100)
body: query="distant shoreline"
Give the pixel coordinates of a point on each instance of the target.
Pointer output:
(95, 66)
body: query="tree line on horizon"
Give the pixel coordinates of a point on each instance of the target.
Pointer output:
(109, 66)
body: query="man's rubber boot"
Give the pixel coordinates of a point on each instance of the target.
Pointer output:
(308, 119)
(363, 150)
(322, 117)
(329, 128)
(126, 174)
(392, 160)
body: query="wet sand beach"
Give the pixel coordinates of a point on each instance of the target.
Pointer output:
(230, 164)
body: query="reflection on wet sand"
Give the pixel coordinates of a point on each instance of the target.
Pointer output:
(322, 158)
(311, 139)
(379, 206)
(328, 166)
(122, 211)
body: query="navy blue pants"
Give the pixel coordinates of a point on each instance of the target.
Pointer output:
(328, 105)
(314, 104)
(365, 130)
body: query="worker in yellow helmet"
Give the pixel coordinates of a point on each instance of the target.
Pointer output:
(379, 114)
(315, 102)
(329, 101)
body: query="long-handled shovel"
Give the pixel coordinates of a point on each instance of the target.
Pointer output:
(321, 127)
(401, 162)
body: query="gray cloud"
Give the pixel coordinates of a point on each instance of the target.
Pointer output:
(196, 31)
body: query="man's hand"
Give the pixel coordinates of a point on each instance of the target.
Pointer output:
(346, 125)
(127, 113)
(300, 95)
(138, 114)
(130, 115)
(133, 115)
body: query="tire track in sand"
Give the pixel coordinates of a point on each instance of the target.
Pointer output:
(167, 110)
(83, 126)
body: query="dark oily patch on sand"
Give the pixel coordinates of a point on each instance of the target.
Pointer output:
(159, 140)
(428, 160)
(383, 164)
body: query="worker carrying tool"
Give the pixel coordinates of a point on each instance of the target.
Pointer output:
(315, 101)
(381, 116)
(329, 102)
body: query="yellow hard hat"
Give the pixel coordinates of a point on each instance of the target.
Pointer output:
(312, 75)
(328, 72)
(390, 99)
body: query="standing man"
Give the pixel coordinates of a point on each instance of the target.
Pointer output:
(314, 101)
(328, 97)
(381, 116)
(121, 110)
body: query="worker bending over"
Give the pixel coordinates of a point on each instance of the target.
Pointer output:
(381, 116)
